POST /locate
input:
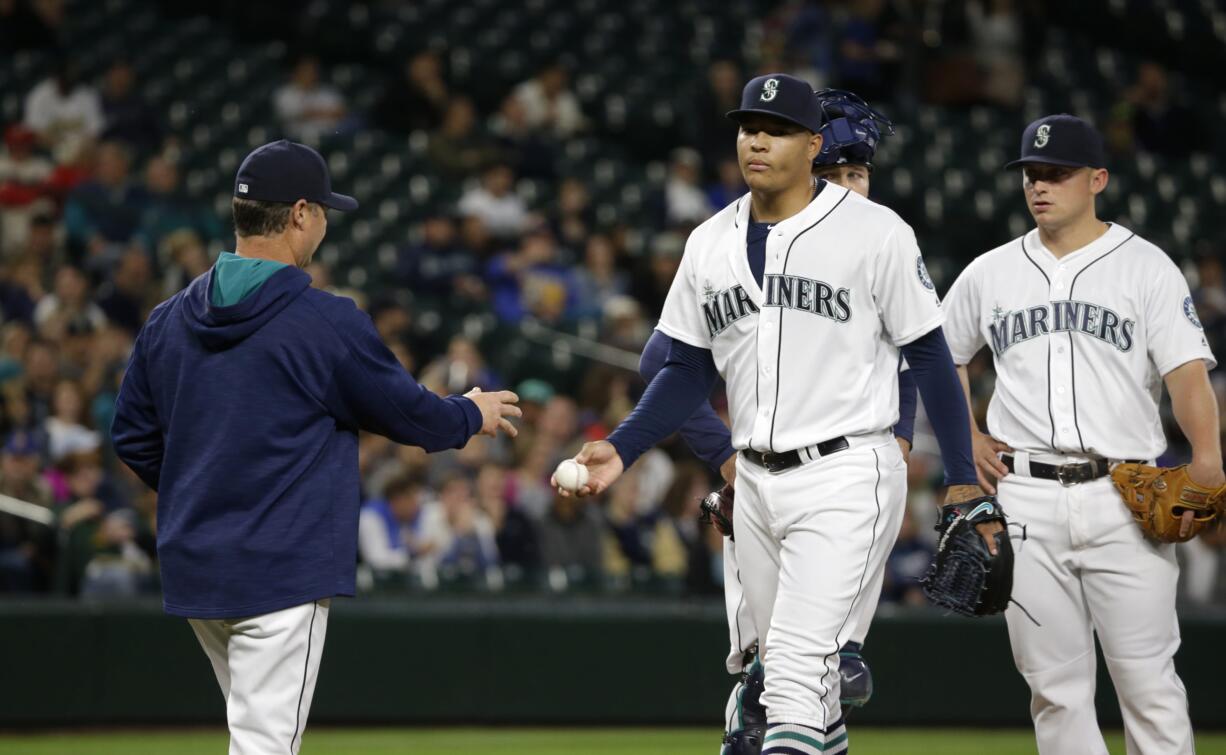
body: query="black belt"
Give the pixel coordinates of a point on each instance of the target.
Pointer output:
(1065, 474)
(783, 461)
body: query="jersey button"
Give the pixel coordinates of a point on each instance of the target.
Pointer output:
(1060, 390)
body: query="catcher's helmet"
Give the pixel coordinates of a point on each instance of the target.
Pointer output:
(851, 130)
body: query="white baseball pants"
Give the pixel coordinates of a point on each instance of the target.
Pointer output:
(267, 666)
(811, 545)
(1086, 569)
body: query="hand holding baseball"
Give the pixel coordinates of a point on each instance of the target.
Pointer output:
(602, 465)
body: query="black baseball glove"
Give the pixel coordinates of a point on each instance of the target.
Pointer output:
(964, 576)
(717, 510)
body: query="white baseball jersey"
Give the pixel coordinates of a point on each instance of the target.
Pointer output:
(1080, 343)
(811, 354)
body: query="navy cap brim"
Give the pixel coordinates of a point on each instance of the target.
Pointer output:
(342, 202)
(739, 115)
(1045, 161)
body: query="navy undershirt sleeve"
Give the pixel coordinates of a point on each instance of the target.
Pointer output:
(704, 432)
(908, 400)
(682, 385)
(941, 390)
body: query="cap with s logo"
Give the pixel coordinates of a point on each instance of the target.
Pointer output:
(285, 171)
(1061, 140)
(781, 96)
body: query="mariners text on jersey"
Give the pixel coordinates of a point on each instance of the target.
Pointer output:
(1066, 316)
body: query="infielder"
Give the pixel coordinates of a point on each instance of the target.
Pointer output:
(805, 324)
(1085, 320)
(241, 406)
(850, 135)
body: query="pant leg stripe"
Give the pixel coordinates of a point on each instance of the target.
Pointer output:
(306, 668)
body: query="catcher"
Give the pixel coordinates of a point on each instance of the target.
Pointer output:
(1083, 319)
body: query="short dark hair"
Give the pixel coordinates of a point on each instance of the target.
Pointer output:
(255, 217)
(402, 484)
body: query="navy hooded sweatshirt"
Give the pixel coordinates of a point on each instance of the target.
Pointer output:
(245, 419)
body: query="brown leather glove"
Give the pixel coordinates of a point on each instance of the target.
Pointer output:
(1159, 496)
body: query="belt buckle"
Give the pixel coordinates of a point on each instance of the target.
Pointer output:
(771, 462)
(1068, 481)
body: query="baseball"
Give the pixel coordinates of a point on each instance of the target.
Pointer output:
(570, 475)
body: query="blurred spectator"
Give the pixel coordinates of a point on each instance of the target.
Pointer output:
(494, 200)
(906, 564)
(30, 25)
(128, 297)
(713, 134)
(24, 187)
(399, 528)
(729, 187)
(531, 280)
(599, 280)
(459, 369)
(650, 285)
(183, 257)
(68, 303)
(574, 219)
(458, 149)
(996, 34)
(514, 532)
(307, 109)
(1150, 117)
(869, 52)
(572, 546)
(63, 111)
(417, 99)
(548, 104)
(1209, 296)
(129, 119)
(470, 548)
(808, 31)
(168, 209)
(529, 148)
(685, 202)
(679, 549)
(26, 547)
(66, 430)
(437, 265)
(475, 237)
(40, 374)
(103, 215)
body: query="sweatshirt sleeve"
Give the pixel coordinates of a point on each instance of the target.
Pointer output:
(135, 430)
(372, 391)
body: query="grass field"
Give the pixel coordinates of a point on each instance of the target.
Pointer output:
(322, 741)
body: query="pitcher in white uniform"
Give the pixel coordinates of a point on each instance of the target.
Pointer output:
(1086, 321)
(802, 294)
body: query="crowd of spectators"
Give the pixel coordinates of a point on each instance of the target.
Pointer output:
(96, 229)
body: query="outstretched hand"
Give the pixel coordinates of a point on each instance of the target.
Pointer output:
(604, 466)
(496, 408)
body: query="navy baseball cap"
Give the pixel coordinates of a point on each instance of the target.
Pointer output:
(1062, 140)
(780, 96)
(285, 171)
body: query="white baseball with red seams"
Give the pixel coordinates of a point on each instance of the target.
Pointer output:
(1081, 344)
(570, 475)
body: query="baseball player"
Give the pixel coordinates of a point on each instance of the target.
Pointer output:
(850, 135)
(241, 406)
(801, 294)
(1085, 320)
